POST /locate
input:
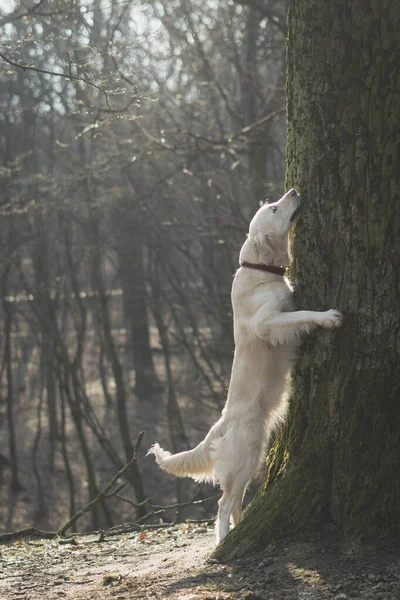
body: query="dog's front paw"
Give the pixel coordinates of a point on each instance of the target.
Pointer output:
(332, 318)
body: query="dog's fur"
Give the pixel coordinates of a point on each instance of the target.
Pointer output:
(267, 332)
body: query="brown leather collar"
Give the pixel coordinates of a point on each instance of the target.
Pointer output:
(260, 267)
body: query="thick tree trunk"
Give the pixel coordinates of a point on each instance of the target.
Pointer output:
(337, 459)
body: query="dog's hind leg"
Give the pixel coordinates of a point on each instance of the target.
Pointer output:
(225, 506)
(236, 515)
(230, 503)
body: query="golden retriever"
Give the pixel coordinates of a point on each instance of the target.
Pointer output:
(267, 332)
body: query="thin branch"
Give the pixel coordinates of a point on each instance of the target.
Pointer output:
(104, 491)
(118, 489)
(242, 132)
(27, 532)
(158, 508)
(54, 73)
(218, 143)
(188, 503)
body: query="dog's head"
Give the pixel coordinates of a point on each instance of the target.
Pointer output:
(276, 219)
(269, 230)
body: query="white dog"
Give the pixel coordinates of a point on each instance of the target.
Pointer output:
(267, 332)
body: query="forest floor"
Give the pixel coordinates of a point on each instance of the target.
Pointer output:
(173, 563)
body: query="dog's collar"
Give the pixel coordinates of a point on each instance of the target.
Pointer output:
(261, 267)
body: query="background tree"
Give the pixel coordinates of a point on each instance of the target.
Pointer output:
(337, 458)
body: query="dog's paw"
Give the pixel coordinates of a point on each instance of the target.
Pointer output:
(332, 318)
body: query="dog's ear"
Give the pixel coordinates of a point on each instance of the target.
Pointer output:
(264, 249)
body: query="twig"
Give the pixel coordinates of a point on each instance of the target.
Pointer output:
(104, 491)
(158, 507)
(130, 527)
(71, 77)
(159, 510)
(147, 516)
(54, 73)
(118, 489)
(27, 532)
(189, 503)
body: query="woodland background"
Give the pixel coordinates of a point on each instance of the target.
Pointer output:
(138, 138)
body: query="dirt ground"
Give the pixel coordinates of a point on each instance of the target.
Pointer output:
(173, 563)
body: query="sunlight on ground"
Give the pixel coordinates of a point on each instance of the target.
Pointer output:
(309, 576)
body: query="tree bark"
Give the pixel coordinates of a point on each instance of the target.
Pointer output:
(337, 459)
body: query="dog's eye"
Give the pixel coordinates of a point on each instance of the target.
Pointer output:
(274, 209)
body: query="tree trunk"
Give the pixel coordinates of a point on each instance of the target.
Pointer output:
(337, 459)
(42, 273)
(11, 399)
(133, 472)
(129, 243)
(258, 144)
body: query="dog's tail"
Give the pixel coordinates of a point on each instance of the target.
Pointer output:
(194, 463)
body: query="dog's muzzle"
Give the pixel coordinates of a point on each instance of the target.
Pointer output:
(297, 210)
